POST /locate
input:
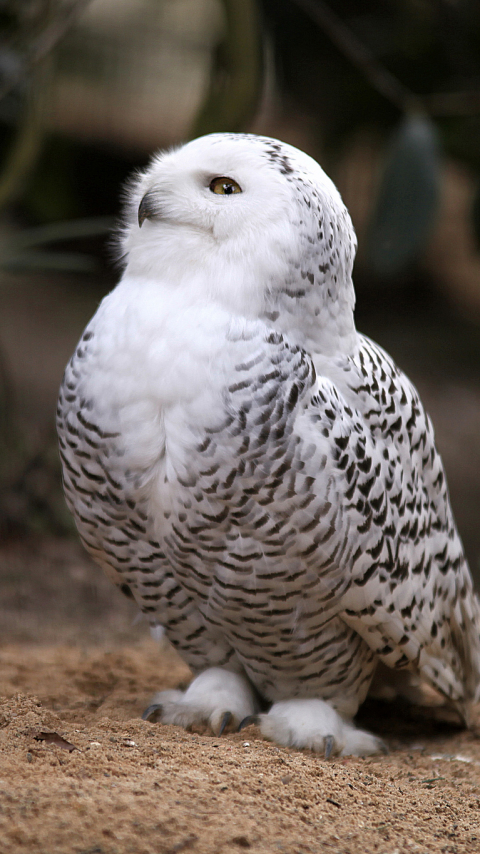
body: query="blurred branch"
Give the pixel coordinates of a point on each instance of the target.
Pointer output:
(236, 79)
(441, 104)
(68, 230)
(33, 66)
(21, 254)
(59, 262)
(359, 55)
(44, 44)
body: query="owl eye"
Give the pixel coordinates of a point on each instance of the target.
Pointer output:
(224, 186)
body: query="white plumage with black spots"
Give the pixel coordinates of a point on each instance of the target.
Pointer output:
(258, 475)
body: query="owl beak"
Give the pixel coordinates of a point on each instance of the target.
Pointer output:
(147, 209)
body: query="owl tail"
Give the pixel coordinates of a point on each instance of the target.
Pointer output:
(465, 631)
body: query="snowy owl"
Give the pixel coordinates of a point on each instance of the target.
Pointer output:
(260, 477)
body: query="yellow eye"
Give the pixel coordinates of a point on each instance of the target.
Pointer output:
(224, 186)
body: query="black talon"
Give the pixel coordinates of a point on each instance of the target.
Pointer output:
(225, 721)
(153, 713)
(329, 744)
(250, 719)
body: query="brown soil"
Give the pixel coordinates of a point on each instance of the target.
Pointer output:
(73, 664)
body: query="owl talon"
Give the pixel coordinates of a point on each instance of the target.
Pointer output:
(315, 725)
(153, 713)
(250, 719)
(329, 744)
(227, 718)
(205, 701)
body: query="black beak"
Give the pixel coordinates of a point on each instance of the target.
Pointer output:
(146, 209)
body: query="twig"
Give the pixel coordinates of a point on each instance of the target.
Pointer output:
(359, 55)
(441, 104)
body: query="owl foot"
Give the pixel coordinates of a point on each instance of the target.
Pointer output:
(314, 724)
(216, 697)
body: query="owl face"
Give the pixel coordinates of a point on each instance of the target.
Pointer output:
(222, 186)
(250, 211)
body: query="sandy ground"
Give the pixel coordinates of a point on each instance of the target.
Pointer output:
(74, 664)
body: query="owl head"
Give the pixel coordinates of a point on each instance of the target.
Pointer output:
(253, 220)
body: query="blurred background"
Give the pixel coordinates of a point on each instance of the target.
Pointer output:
(384, 93)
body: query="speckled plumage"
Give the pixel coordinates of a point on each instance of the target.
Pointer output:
(262, 478)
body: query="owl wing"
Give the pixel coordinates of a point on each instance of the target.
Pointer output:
(410, 594)
(347, 480)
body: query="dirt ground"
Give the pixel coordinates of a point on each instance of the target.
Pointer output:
(76, 664)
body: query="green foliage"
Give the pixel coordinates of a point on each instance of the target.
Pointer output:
(408, 197)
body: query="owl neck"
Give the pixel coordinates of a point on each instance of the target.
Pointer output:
(317, 317)
(310, 302)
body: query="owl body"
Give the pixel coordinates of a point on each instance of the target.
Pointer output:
(260, 477)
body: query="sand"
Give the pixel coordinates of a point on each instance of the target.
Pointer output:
(73, 664)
